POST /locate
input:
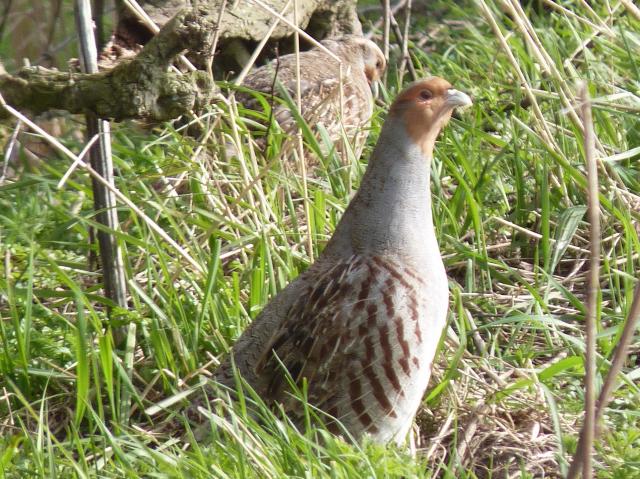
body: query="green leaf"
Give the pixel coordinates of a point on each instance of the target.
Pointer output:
(567, 226)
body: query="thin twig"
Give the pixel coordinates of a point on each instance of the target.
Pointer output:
(588, 428)
(54, 16)
(9, 150)
(216, 37)
(620, 354)
(406, 58)
(380, 22)
(403, 42)
(387, 23)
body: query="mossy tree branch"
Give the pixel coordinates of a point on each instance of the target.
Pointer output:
(141, 88)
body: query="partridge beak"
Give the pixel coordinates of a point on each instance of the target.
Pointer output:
(457, 98)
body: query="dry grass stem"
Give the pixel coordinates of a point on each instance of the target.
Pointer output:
(632, 8)
(216, 37)
(299, 31)
(75, 163)
(302, 162)
(587, 433)
(533, 234)
(9, 149)
(544, 130)
(620, 355)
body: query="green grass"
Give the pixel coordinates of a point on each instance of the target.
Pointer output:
(509, 207)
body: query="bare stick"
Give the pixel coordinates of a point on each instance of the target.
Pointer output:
(101, 161)
(587, 434)
(406, 58)
(619, 357)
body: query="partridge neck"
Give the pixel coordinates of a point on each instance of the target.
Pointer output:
(391, 213)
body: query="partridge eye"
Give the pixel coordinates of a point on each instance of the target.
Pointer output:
(426, 94)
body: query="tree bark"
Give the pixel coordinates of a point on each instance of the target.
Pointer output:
(246, 21)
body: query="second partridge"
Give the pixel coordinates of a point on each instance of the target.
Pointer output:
(345, 110)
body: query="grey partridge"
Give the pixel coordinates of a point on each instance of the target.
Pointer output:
(362, 324)
(363, 63)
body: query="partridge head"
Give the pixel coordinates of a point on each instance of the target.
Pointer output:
(362, 324)
(357, 51)
(425, 107)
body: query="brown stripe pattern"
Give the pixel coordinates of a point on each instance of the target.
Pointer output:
(357, 338)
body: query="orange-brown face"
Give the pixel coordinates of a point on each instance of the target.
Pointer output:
(374, 62)
(425, 107)
(355, 48)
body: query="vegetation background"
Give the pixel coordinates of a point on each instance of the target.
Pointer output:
(509, 190)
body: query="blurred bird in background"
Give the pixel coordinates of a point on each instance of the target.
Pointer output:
(343, 112)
